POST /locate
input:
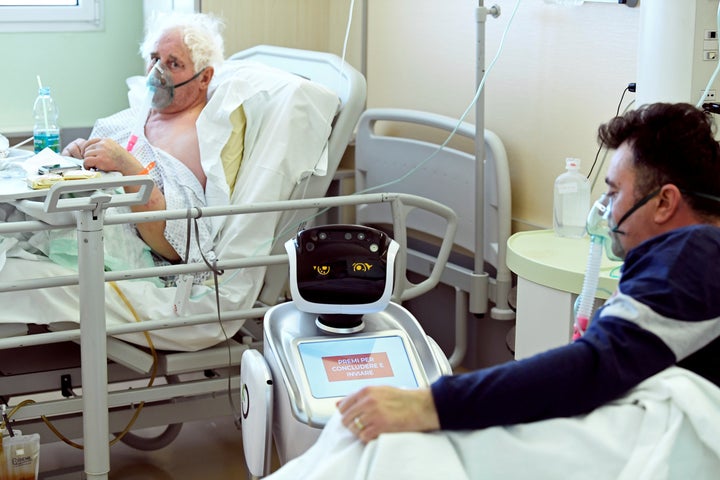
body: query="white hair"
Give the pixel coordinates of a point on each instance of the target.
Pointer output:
(201, 33)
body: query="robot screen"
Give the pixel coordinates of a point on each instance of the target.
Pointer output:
(337, 367)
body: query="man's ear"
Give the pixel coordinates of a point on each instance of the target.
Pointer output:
(669, 200)
(207, 75)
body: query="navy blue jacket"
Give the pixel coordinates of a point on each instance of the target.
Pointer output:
(666, 312)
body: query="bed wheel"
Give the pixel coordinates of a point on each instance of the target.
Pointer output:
(159, 441)
(153, 443)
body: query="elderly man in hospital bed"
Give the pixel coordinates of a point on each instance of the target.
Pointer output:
(636, 397)
(196, 126)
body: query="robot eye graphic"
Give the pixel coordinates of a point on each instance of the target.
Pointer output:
(322, 269)
(361, 267)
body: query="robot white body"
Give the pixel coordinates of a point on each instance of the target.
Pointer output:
(314, 358)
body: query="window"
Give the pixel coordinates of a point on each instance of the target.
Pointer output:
(50, 15)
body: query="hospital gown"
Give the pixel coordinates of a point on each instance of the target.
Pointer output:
(123, 247)
(181, 188)
(665, 312)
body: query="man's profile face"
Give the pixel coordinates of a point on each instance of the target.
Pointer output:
(621, 182)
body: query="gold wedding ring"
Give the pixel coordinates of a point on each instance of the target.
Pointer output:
(358, 424)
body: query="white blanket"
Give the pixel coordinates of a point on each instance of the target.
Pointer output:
(666, 428)
(288, 125)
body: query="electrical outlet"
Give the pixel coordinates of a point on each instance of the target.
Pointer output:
(710, 96)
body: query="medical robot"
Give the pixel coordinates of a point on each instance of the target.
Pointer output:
(340, 333)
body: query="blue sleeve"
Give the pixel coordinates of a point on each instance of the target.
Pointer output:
(666, 311)
(612, 357)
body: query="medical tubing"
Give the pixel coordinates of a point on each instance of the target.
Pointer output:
(590, 284)
(139, 407)
(479, 89)
(345, 41)
(141, 118)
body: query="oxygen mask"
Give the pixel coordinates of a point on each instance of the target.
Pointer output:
(599, 225)
(161, 83)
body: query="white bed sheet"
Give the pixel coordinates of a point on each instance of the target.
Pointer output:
(288, 125)
(666, 428)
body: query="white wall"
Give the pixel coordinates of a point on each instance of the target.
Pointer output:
(561, 74)
(307, 24)
(86, 71)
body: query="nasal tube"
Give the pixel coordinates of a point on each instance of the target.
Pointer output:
(587, 295)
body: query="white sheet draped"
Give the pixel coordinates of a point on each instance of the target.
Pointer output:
(666, 428)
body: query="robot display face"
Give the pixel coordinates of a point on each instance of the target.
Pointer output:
(341, 265)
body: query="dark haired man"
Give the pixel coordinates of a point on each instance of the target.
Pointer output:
(664, 199)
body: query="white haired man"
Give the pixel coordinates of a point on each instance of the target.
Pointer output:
(181, 52)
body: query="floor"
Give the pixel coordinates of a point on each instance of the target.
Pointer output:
(211, 450)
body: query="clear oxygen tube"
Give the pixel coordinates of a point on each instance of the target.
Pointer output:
(597, 228)
(143, 111)
(587, 295)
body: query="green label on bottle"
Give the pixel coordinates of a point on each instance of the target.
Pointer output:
(47, 140)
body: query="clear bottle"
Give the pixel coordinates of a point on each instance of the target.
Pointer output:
(571, 201)
(46, 131)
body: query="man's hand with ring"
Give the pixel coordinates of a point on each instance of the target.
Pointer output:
(375, 410)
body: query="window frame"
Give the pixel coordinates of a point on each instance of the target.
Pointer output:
(87, 15)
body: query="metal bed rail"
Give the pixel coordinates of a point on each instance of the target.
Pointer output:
(92, 333)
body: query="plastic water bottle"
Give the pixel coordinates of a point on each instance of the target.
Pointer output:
(571, 201)
(46, 132)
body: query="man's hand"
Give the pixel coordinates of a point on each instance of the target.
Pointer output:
(382, 409)
(75, 148)
(107, 155)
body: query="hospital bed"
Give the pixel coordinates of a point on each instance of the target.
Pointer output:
(196, 384)
(388, 160)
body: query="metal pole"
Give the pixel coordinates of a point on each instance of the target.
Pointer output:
(93, 341)
(479, 292)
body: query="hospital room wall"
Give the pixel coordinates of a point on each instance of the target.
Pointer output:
(561, 73)
(86, 71)
(306, 24)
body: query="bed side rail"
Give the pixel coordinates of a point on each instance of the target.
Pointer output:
(400, 205)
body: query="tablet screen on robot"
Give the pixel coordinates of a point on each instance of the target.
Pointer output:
(338, 367)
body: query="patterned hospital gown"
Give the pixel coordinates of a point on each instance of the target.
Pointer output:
(123, 246)
(179, 185)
